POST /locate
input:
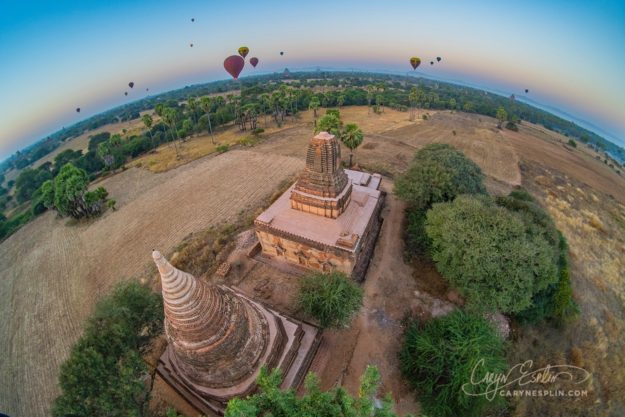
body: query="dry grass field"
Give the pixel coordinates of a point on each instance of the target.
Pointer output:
(52, 272)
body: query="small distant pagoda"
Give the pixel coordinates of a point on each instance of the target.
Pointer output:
(329, 219)
(218, 340)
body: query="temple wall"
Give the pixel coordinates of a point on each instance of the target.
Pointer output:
(304, 255)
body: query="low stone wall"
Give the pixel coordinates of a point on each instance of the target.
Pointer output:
(369, 240)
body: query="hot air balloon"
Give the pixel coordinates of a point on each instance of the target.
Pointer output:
(77, 109)
(254, 61)
(191, 45)
(415, 62)
(431, 62)
(243, 51)
(281, 53)
(125, 93)
(438, 59)
(131, 84)
(193, 19)
(147, 89)
(234, 65)
(527, 91)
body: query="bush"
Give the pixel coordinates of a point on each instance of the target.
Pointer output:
(417, 240)
(572, 143)
(104, 374)
(512, 126)
(489, 253)
(272, 401)
(258, 131)
(332, 299)
(438, 173)
(438, 359)
(222, 148)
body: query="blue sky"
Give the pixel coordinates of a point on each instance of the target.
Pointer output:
(59, 55)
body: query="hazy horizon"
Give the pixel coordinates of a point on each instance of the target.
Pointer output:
(80, 54)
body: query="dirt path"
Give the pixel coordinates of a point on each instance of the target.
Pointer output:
(391, 294)
(51, 273)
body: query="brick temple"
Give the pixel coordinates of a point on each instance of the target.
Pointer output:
(329, 219)
(218, 340)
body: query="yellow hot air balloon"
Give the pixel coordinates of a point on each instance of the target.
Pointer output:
(415, 62)
(243, 51)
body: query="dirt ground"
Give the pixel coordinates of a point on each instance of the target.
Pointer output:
(52, 273)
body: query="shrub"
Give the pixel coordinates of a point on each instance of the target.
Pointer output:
(222, 148)
(489, 253)
(417, 240)
(272, 401)
(104, 374)
(572, 143)
(332, 299)
(438, 172)
(439, 357)
(258, 131)
(512, 126)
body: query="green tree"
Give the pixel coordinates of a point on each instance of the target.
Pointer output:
(502, 116)
(438, 359)
(206, 105)
(314, 105)
(332, 299)
(488, 254)
(352, 138)
(104, 374)
(272, 401)
(329, 123)
(438, 172)
(148, 121)
(71, 195)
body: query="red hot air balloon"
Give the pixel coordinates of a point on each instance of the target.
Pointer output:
(234, 65)
(254, 61)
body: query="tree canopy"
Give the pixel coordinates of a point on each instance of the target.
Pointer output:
(438, 172)
(68, 193)
(104, 374)
(489, 253)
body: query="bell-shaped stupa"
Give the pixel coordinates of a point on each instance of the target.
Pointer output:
(218, 340)
(205, 324)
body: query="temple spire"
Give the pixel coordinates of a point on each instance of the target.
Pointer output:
(217, 338)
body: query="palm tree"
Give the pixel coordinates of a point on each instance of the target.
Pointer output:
(148, 121)
(314, 105)
(170, 116)
(205, 105)
(352, 137)
(192, 105)
(266, 103)
(340, 100)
